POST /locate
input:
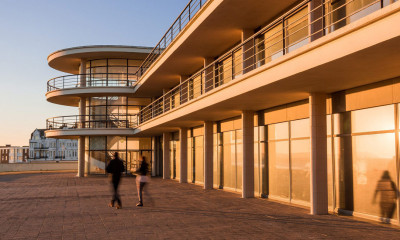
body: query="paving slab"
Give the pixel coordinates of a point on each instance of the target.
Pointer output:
(62, 206)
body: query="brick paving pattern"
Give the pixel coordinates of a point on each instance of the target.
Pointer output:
(61, 206)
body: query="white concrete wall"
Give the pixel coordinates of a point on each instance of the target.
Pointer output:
(21, 167)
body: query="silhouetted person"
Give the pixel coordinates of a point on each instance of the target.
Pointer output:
(115, 167)
(141, 179)
(386, 188)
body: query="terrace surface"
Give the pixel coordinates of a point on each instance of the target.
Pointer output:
(61, 206)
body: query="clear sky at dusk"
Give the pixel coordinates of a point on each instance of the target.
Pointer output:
(32, 29)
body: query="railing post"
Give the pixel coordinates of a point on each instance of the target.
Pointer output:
(189, 13)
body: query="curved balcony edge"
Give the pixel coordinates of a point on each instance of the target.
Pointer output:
(75, 133)
(70, 96)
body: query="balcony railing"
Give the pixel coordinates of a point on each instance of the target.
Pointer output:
(186, 15)
(92, 121)
(92, 80)
(296, 28)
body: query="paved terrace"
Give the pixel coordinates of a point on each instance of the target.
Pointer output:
(61, 206)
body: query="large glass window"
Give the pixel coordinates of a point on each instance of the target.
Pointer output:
(111, 112)
(297, 30)
(100, 150)
(289, 160)
(111, 72)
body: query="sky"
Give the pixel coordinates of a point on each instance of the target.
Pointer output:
(32, 29)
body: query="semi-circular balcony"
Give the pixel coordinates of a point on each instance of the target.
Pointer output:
(91, 125)
(67, 90)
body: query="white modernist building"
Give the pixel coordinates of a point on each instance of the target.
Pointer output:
(294, 100)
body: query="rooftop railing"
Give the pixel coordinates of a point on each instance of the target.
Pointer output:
(183, 19)
(92, 80)
(92, 121)
(296, 28)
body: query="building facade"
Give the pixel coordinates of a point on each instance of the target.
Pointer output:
(296, 101)
(51, 149)
(14, 154)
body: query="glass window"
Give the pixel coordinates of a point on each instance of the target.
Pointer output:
(228, 169)
(239, 158)
(199, 159)
(278, 131)
(97, 162)
(116, 143)
(373, 119)
(297, 34)
(374, 174)
(278, 165)
(238, 62)
(300, 128)
(300, 169)
(97, 143)
(274, 42)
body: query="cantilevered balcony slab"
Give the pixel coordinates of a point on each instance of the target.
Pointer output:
(68, 60)
(71, 96)
(75, 133)
(215, 28)
(363, 52)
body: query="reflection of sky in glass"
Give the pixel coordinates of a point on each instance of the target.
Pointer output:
(373, 119)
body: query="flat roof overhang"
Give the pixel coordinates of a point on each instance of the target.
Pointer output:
(68, 60)
(71, 96)
(364, 52)
(215, 30)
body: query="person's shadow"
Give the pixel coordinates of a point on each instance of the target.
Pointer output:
(387, 191)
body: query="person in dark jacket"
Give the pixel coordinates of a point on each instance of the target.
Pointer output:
(141, 179)
(115, 167)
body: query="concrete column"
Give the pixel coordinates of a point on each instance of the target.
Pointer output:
(166, 156)
(209, 79)
(248, 51)
(316, 19)
(319, 179)
(248, 154)
(183, 155)
(81, 156)
(208, 155)
(82, 71)
(153, 157)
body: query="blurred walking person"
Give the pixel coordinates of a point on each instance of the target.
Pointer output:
(115, 167)
(141, 179)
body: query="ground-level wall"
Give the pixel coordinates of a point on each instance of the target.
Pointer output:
(22, 167)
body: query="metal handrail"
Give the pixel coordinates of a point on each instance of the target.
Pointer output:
(264, 46)
(92, 80)
(92, 121)
(180, 22)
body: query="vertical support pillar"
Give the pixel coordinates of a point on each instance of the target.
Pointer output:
(208, 155)
(82, 72)
(153, 156)
(248, 154)
(319, 179)
(82, 121)
(166, 156)
(248, 51)
(183, 154)
(316, 21)
(81, 156)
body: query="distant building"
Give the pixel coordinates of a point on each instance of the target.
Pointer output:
(13, 154)
(50, 149)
